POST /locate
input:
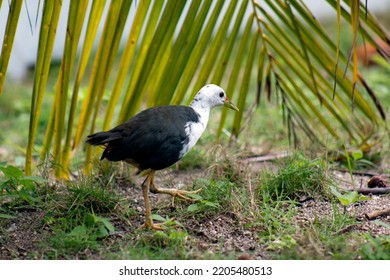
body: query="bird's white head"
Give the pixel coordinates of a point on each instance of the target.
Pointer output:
(211, 96)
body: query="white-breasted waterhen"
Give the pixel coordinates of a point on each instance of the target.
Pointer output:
(158, 137)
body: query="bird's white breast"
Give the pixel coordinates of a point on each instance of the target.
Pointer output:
(194, 130)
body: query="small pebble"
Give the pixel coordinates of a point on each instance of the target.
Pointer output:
(11, 228)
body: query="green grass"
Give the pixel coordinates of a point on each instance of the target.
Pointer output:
(274, 220)
(215, 197)
(375, 248)
(296, 177)
(322, 238)
(158, 245)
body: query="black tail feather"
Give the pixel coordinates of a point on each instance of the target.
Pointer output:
(101, 138)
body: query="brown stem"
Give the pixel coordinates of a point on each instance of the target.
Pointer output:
(375, 214)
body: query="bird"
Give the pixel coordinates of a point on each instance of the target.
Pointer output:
(157, 138)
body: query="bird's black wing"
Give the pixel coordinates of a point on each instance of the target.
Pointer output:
(151, 139)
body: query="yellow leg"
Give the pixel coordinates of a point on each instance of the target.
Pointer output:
(173, 192)
(148, 212)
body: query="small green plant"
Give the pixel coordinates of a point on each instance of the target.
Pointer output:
(16, 187)
(172, 237)
(100, 227)
(282, 242)
(77, 215)
(275, 220)
(85, 235)
(168, 244)
(86, 196)
(166, 222)
(94, 228)
(348, 198)
(355, 159)
(201, 204)
(69, 245)
(69, 208)
(215, 195)
(297, 177)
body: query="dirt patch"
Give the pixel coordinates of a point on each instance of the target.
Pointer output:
(21, 236)
(224, 234)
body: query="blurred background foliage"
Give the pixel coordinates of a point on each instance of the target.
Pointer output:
(274, 51)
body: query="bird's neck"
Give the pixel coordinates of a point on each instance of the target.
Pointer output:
(202, 110)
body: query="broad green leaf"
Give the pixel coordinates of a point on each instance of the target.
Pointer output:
(90, 220)
(158, 218)
(102, 232)
(349, 197)
(211, 204)
(356, 154)
(107, 224)
(12, 171)
(195, 196)
(193, 208)
(79, 232)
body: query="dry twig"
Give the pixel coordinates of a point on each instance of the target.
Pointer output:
(366, 191)
(373, 190)
(375, 214)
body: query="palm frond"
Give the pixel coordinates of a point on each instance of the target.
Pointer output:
(175, 47)
(9, 35)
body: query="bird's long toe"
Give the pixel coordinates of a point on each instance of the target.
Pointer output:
(182, 195)
(186, 195)
(150, 225)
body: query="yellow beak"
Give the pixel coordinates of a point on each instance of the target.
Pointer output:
(230, 105)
